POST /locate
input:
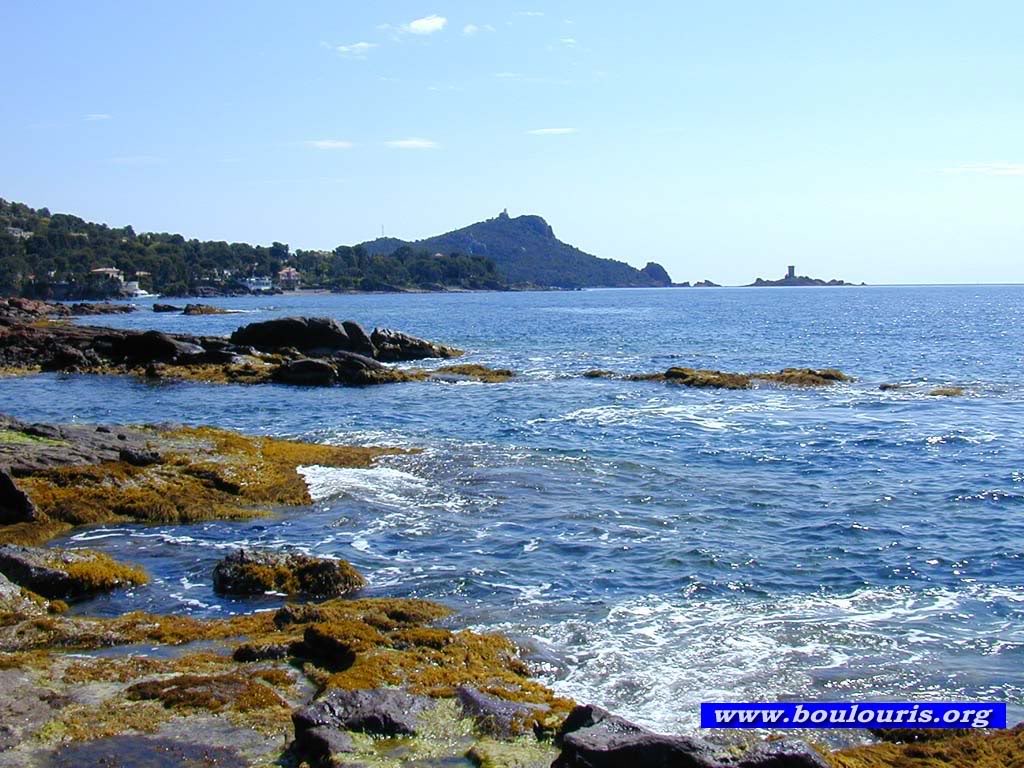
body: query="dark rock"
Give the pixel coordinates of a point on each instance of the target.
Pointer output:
(15, 505)
(353, 368)
(47, 431)
(203, 309)
(593, 738)
(101, 309)
(294, 613)
(587, 716)
(360, 342)
(166, 308)
(381, 712)
(306, 372)
(321, 745)
(393, 346)
(336, 652)
(65, 358)
(153, 346)
(139, 458)
(248, 652)
(302, 333)
(785, 753)
(249, 572)
(496, 716)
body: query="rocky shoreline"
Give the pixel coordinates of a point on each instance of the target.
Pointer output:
(348, 680)
(331, 677)
(291, 350)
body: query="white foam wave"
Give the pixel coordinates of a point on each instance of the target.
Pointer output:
(384, 487)
(655, 660)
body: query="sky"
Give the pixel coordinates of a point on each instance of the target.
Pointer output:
(871, 141)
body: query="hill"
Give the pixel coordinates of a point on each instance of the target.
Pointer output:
(61, 256)
(527, 253)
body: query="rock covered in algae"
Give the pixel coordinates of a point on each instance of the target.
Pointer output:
(66, 574)
(252, 572)
(702, 378)
(477, 372)
(78, 474)
(497, 716)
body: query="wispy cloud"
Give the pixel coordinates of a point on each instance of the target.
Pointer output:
(329, 144)
(552, 131)
(989, 169)
(474, 29)
(508, 75)
(412, 143)
(354, 50)
(570, 41)
(428, 25)
(530, 13)
(93, 117)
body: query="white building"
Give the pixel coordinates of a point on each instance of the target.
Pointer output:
(259, 284)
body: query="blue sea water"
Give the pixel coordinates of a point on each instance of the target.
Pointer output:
(653, 546)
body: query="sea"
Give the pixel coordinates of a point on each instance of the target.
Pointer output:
(650, 546)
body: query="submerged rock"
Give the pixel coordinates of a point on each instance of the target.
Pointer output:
(379, 712)
(477, 372)
(249, 572)
(134, 751)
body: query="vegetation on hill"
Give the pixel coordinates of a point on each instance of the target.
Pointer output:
(528, 253)
(53, 255)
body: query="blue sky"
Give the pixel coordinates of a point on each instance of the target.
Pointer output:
(874, 141)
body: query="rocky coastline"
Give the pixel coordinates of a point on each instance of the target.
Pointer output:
(329, 678)
(35, 337)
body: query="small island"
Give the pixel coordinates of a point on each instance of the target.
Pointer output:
(793, 279)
